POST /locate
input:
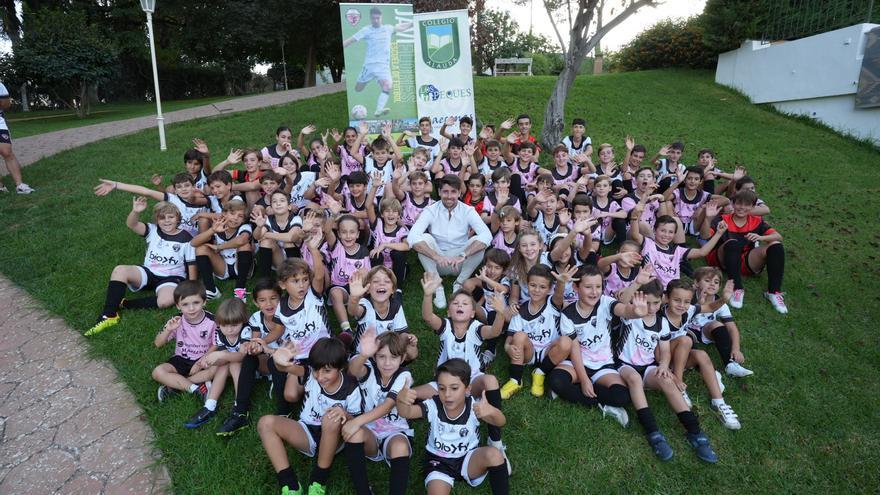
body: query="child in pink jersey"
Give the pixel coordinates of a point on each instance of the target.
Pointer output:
(194, 330)
(387, 233)
(687, 202)
(347, 255)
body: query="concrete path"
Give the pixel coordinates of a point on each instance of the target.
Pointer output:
(67, 425)
(32, 148)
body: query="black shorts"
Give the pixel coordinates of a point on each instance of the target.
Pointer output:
(601, 371)
(151, 281)
(5, 136)
(449, 466)
(641, 370)
(181, 364)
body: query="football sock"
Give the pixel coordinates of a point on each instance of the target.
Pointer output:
(494, 398)
(709, 186)
(148, 302)
(398, 266)
(381, 101)
(733, 263)
(516, 372)
(279, 380)
(646, 419)
(498, 480)
(211, 404)
(717, 402)
(357, 467)
(115, 293)
(399, 475)
(721, 336)
(775, 268)
(287, 477)
(246, 379)
(193, 387)
(616, 395)
(243, 270)
(264, 262)
(319, 475)
(546, 365)
(689, 421)
(561, 383)
(206, 272)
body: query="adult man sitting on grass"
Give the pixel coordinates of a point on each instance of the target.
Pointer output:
(441, 236)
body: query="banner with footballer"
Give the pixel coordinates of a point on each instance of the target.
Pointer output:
(379, 48)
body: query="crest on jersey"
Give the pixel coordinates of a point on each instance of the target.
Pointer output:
(440, 45)
(463, 432)
(175, 247)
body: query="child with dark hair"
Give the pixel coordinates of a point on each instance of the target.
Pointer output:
(747, 245)
(465, 126)
(670, 166)
(500, 196)
(332, 398)
(489, 282)
(225, 251)
(278, 231)
(454, 418)
(350, 147)
(718, 326)
(384, 157)
(424, 139)
(577, 142)
(272, 153)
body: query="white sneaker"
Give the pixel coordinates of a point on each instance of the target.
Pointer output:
(728, 418)
(24, 189)
(720, 383)
(440, 298)
(777, 300)
(736, 301)
(3, 189)
(618, 413)
(455, 287)
(500, 446)
(212, 294)
(687, 399)
(737, 370)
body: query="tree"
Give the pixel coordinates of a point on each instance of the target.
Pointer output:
(65, 61)
(579, 15)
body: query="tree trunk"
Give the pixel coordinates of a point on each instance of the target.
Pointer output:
(25, 107)
(310, 67)
(554, 114)
(82, 108)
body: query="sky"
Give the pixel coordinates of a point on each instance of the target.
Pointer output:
(619, 36)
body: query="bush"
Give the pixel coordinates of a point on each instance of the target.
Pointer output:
(546, 64)
(669, 43)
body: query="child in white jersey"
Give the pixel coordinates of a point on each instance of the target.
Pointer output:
(678, 311)
(489, 282)
(387, 233)
(533, 333)
(717, 327)
(461, 336)
(377, 303)
(168, 260)
(386, 435)
(231, 345)
(332, 399)
(453, 441)
(225, 251)
(643, 362)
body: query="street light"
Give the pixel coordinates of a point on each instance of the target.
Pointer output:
(149, 6)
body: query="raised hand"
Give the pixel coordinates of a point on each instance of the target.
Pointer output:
(316, 239)
(219, 225)
(356, 285)
(324, 136)
(386, 129)
(376, 178)
(739, 172)
(431, 281)
(486, 133)
(308, 130)
(407, 396)
(566, 274)
(258, 218)
(665, 149)
(138, 204)
(363, 127)
(201, 146)
(450, 121)
(513, 137)
(482, 408)
(631, 258)
(630, 143)
(640, 304)
(105, 187)
(334, 133)
(173, 323)
(712, 209)
(507, 124)
(369, 344)
(564, 216)
(309, 220)
(646, 274)
(156, 180)
(234, 156)
(499, 305)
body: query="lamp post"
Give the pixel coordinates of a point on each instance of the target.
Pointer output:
(149, 6)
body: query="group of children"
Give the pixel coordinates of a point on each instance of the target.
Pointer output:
(586, 281)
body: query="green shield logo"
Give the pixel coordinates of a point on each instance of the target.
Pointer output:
(440, 45)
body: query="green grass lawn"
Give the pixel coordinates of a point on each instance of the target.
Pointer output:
(810, 413)
(25, 124)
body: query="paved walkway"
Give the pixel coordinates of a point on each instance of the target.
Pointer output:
(32, 148)
(67, 425)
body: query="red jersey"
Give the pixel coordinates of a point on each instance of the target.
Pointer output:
(754, 225)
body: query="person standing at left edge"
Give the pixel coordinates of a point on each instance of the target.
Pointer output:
(6, 146)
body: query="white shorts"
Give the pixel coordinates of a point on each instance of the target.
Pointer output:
(382, 72)
(383, 440)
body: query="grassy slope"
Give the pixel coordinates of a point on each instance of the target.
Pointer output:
(807, 413)
(42, 121)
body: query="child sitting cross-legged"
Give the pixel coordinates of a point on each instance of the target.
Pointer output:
(332, 399)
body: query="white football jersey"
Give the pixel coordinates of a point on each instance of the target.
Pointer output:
(451, 437)
(167, 255)
(375, 394)
(638, 341)
(378, 40)
(187, 211)
(393, 321)
(541, 327)
(304, 325)
(317, 400)
(466, 347)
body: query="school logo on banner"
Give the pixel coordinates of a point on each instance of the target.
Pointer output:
(440, 46)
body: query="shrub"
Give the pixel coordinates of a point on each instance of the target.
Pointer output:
(546, 64)
(669, 43)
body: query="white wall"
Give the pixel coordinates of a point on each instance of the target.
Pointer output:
(815, 76)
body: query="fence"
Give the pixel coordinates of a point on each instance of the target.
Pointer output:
(795, 19)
